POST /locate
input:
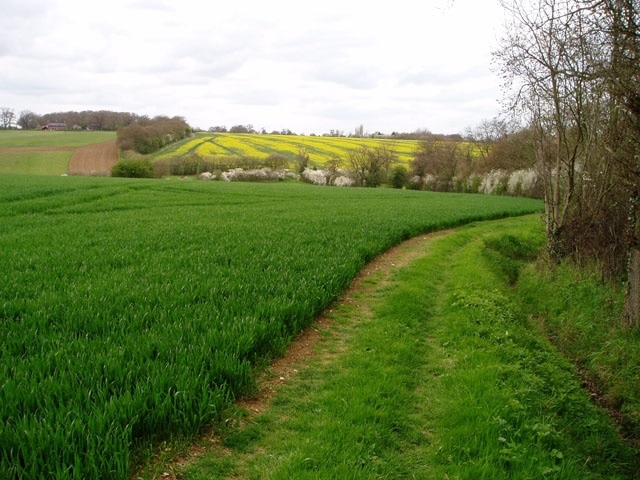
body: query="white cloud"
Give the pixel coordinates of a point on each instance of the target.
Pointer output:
(309, 67)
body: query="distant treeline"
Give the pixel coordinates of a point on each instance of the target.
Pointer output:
(148, 135)
(86, 120)
(419, 134)
(138, 133)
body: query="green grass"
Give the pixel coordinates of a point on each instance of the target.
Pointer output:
(134, 311)
(581, 316)
(444, 379)
(42, 138)
(35, 163)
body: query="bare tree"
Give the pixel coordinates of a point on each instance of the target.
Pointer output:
(486, 134)
(438, 159)
(371, 165)
(7, 116)
(331, 167)
(28, 120)
(420, 163)
(621, 21)
(302, 159)
(549, 59)
(573, 69)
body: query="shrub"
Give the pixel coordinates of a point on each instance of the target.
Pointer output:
(399, 176)
(522, 182)
(134, 168)
(495, 182)
(344, 181)
(317, 177)
(276, 161)
(253, 175)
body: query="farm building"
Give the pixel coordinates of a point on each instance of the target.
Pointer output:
(55, 126)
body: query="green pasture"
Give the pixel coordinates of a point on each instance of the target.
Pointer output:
(133, 311)
(44, 138)
(35, 163)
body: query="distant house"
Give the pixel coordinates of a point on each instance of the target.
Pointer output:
(55, 126)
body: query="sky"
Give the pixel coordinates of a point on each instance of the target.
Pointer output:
(309, 67)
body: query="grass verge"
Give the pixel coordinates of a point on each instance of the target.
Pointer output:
(435, 375)
(581, 316)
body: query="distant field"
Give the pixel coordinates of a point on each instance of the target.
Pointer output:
(35, 162)
(22, 151)
(133, 310)
(41, 152)
(42, 138)
(319, 149)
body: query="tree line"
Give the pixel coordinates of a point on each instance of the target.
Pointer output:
(137, 133)
(572, 77)
(84, 120)
(148, 135)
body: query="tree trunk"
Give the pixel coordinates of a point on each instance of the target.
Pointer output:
(632, 301)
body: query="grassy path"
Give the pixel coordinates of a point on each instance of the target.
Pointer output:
(427, 371)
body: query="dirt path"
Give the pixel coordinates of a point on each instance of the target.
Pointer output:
(373, 277)
(94, 159)
(382, 267)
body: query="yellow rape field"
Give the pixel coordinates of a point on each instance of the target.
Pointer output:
(319, 149)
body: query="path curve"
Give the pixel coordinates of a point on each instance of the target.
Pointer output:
(302, 348)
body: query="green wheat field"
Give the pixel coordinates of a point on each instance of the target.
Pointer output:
(133, 311)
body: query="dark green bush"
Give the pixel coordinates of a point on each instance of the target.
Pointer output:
(399, 176)
(134, 168)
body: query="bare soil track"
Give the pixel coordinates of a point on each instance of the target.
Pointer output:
(94, 159)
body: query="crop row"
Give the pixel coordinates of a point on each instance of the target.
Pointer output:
(131, 311)
(319, 149)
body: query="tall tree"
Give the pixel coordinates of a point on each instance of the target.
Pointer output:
(371, 165)
(573, 71)
(621, 20)
(28, 120)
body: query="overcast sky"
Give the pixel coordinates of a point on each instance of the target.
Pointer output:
(307, 66)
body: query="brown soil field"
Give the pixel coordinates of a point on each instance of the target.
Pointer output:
(95, 159)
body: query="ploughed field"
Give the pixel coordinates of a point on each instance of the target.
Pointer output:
(135, 310)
